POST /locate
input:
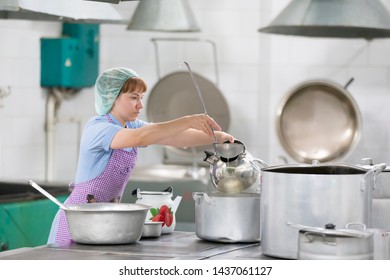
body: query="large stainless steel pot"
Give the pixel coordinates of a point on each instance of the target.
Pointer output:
(311, 194)
(329, 243)
(227, 218)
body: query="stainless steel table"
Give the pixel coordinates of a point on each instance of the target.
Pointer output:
(177, 245)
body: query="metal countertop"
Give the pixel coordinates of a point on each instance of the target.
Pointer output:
(177, 245)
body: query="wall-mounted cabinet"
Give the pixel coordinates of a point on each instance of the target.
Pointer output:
(71, 61)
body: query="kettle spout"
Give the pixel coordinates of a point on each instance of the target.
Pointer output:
(176, 203)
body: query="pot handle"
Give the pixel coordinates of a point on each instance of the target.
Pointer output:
(309, 239)
(209, 200)
(196, 197)
(378, 168)
(362, 226)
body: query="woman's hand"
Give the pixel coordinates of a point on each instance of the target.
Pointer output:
(202, 122)
(223, 137)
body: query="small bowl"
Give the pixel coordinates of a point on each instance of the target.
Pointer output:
(152, 229)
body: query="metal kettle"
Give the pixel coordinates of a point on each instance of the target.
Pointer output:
(232, 169)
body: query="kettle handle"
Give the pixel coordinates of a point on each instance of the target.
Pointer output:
(136, 193)
(169, 189)
(262, 162)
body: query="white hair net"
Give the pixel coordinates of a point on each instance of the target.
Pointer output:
(108, 85)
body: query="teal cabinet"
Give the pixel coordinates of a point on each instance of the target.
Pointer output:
(26, 215)
(71, 61)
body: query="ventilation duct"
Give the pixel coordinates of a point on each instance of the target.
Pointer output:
(367, 19)
(163, 15)
(62, 10)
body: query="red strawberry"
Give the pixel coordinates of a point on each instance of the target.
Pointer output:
(159, 218)
(164, 209)
(168, 217)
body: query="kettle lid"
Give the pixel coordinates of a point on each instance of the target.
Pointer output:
(230, 151)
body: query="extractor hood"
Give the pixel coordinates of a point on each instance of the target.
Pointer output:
(366, 19)
(62, 10)
(163, 16)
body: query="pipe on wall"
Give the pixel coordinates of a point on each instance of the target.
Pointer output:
(53, 104)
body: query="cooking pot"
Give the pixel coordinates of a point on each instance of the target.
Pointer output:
(227, 218)
(102, 223)
(310, 194)
(329, 243)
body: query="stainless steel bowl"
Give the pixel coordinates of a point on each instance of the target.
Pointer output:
(106, 223)
(152, 229)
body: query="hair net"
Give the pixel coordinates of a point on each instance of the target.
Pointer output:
(108, 85)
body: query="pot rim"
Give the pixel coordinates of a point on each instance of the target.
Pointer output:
(217, 194)
(316, 168)
(106, 207)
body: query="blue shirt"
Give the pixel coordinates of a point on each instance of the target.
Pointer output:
(95, 150)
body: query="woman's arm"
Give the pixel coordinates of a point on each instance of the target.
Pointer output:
(185, 131)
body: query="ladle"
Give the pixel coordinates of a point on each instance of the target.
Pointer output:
(48, 195)
(201, 99)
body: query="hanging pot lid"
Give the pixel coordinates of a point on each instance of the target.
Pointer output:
(367, 19)
(318, 120)
(175, 96)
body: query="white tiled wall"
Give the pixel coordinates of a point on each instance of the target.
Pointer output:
(255, 71)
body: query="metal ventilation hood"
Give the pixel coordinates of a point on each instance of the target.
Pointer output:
(366, 19)
(163, 16)
(62, 10)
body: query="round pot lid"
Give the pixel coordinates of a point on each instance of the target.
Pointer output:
(318, 120)
(330, 230)
(175, 96)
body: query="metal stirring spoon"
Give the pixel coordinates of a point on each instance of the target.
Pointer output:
(201, 99)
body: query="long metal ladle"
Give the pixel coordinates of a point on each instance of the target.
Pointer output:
(201, 99)
(48, 195)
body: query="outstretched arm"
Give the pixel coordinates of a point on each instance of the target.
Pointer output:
(186, 131)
